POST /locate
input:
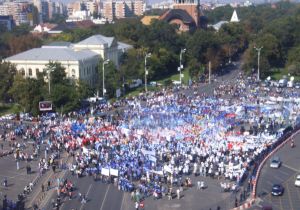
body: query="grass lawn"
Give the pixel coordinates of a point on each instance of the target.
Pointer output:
(9, 109)
(279, 73)
(174, 77)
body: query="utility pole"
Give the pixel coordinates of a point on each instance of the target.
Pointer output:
(180, 64)
(103, 76)
(258, 49)
(148, 55)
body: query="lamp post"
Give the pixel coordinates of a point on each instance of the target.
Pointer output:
(49, 78)
(103, 82)
(180, 65)
(148, 55)
(258, 49)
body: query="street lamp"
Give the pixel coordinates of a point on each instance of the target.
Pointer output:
(180, 65)
(258, 49)
(148, 55)
(49, 70)
(103, 84)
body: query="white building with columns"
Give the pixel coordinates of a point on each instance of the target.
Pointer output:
(80, 60)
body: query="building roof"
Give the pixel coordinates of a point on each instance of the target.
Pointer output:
(60, 43)
(178, 14)
(53, 54)
(219, 24)
(124, 46)
(146, 20)
(97, 40)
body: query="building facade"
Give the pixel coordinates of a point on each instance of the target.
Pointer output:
(80, 60)
(186, 14)
(117, 9)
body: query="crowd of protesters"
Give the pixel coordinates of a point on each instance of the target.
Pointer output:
(156, 140)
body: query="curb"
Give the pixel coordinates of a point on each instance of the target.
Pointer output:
(246, 205)
(251, 201)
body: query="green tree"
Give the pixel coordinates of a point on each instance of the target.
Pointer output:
(28, 92)
(7, 73)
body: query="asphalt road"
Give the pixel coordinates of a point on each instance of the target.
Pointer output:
(100, 196)
(284, 175)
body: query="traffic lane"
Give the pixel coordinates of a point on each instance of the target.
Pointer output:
(288, 171)
(112, 200)
(81, 185)
(99, 195)
(290, 156)
(17, 179)
(290, 164)
(270, 176)
(289, 200)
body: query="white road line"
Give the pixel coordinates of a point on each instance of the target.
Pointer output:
(280, 179)
(104, 198)
(122, 201)
(86, 196)
(293, 169)
(285, 173)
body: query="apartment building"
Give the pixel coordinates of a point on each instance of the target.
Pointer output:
(117, 9)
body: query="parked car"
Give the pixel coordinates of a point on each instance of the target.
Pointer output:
(275, 162)
(297, 181)
(277, 190)
(297, 85)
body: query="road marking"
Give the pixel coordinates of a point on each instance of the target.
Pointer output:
(104, 198)
(122, 201)
(285, 173)
(281, 203)
(86, 196)
(289, 167)
(289, 196)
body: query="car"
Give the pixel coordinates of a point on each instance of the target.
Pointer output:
(297, 181)
(277, 190)
(275, 162)
(297, 85)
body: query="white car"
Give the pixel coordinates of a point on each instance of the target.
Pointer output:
(297, 181)
(275, 162)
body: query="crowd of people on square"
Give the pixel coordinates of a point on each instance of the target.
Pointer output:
(154, 142)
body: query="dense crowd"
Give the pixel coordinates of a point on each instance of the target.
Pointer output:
(154, 141)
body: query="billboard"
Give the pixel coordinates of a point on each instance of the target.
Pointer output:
(45, 105)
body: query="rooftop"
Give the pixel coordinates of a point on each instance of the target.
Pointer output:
(52, 53)
(97, 40)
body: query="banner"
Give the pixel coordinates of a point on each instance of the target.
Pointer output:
(161, 173)
(152, 158)
(114, 172)
(105, 171)
(45, 106)
(148, 152)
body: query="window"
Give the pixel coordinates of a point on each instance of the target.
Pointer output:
(37, 70)
(30, 72)
(22, 70)
(73, 73)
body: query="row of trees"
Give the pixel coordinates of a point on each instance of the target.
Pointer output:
(28, 92)
(264, 25)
